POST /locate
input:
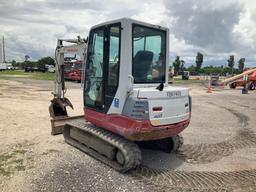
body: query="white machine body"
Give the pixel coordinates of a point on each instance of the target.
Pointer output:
(137, 41)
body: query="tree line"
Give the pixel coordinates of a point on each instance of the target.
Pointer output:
(40, 63)
(179, 66)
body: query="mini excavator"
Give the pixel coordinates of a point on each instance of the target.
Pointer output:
(127, 99)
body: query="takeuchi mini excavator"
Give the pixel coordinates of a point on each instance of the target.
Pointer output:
(127, 99)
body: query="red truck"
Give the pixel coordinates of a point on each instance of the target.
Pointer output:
(73, 71)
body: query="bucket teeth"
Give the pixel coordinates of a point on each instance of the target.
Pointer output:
(58, 107)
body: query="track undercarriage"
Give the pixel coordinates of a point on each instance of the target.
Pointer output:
(109, 148)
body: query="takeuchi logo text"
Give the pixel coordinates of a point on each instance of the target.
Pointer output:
(174, 93)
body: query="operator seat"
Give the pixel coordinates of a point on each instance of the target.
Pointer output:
(142, 63)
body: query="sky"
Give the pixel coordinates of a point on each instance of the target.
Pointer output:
(215, 28)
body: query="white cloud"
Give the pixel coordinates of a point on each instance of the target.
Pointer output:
(216, 28)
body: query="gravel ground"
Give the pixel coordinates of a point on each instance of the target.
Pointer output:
(218, 154)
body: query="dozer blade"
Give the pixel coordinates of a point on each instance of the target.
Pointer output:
(109, 148)
(59, 122)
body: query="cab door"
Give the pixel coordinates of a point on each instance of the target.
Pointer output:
(102, 67)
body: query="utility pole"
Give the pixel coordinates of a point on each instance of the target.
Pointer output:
(3, 51)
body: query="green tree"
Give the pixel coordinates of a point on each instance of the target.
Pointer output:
(241, 64)
(191, 69)
(199, 60)
(26, 57)
(46, 60)
(176, 64)
(14, 63)
(182, 65)
(231, 62)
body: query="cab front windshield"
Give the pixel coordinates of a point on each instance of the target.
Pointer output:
(149, 54)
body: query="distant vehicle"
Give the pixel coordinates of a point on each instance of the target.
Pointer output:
(67, 70)
(51, 69)
(9, 66)
(36, 69)
(185, 75)
(215, 79)
(73, 71)
(76, 72)
(6, 66)
(29, 69)
(41, 69)
(3, 66)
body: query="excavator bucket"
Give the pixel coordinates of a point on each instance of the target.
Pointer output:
(59, 115)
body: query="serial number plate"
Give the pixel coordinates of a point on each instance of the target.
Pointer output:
(174, 93)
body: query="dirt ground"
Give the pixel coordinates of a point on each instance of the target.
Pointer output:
(219, 151)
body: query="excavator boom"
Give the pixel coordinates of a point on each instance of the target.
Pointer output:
(59, 103)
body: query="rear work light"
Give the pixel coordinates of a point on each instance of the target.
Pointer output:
(157, 108)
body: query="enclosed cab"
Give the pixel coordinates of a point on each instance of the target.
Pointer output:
(126, 87)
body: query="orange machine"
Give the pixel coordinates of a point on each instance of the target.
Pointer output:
(237, 80)
(240, 82)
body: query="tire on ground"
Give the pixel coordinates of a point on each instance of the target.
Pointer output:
(252, 86)
(232, 85)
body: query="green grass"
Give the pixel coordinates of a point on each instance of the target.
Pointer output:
(12, 161)
(19, 166)
(3, 160)
(4, 172)
(8, 164)
(4, 157)
(21, 151)
(50, 151)
(21, 74)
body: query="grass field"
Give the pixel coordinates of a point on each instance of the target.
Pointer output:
(21, 74)
(50, 76)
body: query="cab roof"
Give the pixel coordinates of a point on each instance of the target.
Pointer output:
(128, 21)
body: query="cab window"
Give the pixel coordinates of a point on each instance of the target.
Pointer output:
(149, 54)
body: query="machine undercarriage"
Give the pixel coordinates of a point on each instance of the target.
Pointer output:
(111, 149)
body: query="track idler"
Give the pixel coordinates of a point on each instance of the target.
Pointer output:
(168, 145)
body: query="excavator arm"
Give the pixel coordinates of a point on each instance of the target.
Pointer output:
(57, 108)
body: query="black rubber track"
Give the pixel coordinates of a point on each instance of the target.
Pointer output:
(130, 150)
